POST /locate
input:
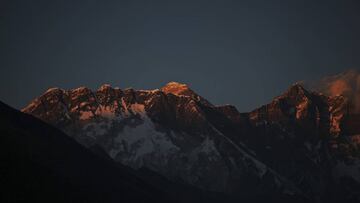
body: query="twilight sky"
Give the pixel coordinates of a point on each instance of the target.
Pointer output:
(238, 52)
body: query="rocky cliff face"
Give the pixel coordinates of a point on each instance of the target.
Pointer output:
(302, 135)
(294, 145)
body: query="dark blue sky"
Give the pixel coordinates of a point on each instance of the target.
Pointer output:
(238, 52)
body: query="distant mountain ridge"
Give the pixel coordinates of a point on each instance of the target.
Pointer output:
(296, 145)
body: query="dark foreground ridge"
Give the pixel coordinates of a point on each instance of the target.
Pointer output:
(41, 164)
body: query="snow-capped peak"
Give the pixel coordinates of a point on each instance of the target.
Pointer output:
(177, 89)
(53, 89)
(104, 87)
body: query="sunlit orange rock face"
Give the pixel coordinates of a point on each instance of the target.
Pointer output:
(180, 89)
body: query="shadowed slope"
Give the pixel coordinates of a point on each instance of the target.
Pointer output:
(39, 163)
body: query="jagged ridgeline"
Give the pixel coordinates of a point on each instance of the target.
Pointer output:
(296, 145)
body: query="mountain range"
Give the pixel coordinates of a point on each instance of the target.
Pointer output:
(301, 146)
